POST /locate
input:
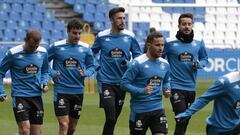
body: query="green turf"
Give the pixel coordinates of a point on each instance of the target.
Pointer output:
(92, 117)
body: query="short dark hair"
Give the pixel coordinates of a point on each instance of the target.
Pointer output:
(115, 10)
(74, 24)
(150, 38)
(185, 15)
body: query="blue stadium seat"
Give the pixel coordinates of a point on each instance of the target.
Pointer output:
(9, 35)
(189, 10)
(90, 8)
(79, 8)
(5, 7)
(100, 17)
(59, 25)
(26, 16)
(37, 16)
(4, 15)
(168, 9)
(72, 2)
(98, 26)
(81, 1)
(45, 34)
(7, 1)
(20, 33)
(28, 7)
(35, 24)
(179, 1)
(88, 17)
(94, 1)
(56, 34)
(168, 1)
(2, 24)
(17, 7)
(144, 26)
(1, 34)
(200, 11)
(19, 1)
(23, 25)
(14, 16)
(47, 25)
(135, 26)
(48, 16)
(31, 1)
(12, 24)
(178, 10)
(101, 8)
(165, 34)
(189, 1)
(40, 8)
(157, 1)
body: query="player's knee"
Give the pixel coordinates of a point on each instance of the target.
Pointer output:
(63, 126)
(24, 131)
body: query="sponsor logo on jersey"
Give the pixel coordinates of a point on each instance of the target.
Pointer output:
(31, 69)
(155, 81)
(185, 57)
(116, 53)
(237, 105)
(71, 63)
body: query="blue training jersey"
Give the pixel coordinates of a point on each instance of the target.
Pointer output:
(68, 59)
(226, 109)
(181, 57)
(144, 71)
(115, 54)
(28, 71)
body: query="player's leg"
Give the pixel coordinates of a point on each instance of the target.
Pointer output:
(74, 114)
(108, 101)
(119, 100)
(36, 115)
(138, 123)
(62, 108)
(21, 113)
(179, 105)
(158, 122)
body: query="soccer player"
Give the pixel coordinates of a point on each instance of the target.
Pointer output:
(146, 79)
(116, 46)
(28, 65)
(225, 118)
(185, 54)
(72, 62)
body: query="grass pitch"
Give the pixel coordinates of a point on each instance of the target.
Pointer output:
(92, 117)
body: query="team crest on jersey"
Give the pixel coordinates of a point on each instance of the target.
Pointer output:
(146, 66)
(20, 56)
(31, 69)
(125, 39)
(162, 66)
(175, 44)
(39, 55)
(194, 44)
(107, 39)
(62, 49)
(237, 106)
(139, 123)
(80, 49)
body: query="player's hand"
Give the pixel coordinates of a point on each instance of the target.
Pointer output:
(3, 98)
(166, 93)
(182, 119)
(58, 74)
(81, 72)
(44, 88)
(194, 64)
(149, 89)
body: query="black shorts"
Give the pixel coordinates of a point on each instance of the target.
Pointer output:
(68, 104)
(235, 131)
(28, 108)
(181, 100)
(111, 95)
(155, 120)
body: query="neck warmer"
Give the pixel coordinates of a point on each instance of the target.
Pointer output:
(185, 38)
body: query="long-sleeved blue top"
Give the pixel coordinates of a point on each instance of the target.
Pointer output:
(28, 71)
(116, 52)
(225, 93)
(68, 59)
(181, 57)
(142, 72)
